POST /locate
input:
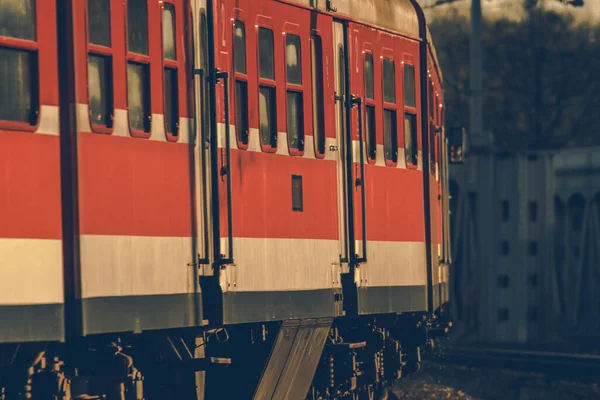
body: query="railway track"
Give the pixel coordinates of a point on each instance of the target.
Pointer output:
(560, 364)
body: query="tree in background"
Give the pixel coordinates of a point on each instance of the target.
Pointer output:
(541, 83)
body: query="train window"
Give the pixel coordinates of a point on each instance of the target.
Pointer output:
(410, 138)
(241, 83)
(390, 123)
(390, 139)
(318, 97)
(138, 66)
(19, 96)
(99, 87)
(295, 104)
(99, 22)
(410, 99)
(505, 210)
(369, 77)
(170, 70)
(293, 59)
(17, 19)
(268, 129)
(389, 81)
(265, 49)
(169, 43)
(532, 211)
(240, 47)
(171, 103)
(100, 64)
(370, 107)
(267, 94)
(371, 135)
(137, 26)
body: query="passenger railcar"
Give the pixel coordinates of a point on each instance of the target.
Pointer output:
(195, 192)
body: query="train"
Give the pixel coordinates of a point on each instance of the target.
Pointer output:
(226, 199)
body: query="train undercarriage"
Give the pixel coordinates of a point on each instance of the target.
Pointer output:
(346, 358)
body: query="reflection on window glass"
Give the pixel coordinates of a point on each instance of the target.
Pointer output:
(371, 136)
(171, 101)
(317, 87)
(409, 86)
(18, 89)
(295, 118)
(240, 47)
(390, 135)
(17, 19)
(369, 80)
(389, 81)
(267, 113)
(99, 82)
(99, 22)
(410, 138)
(265, 53)
(241, 111)
(138, 96)
(293, 59)
(169, 45)
(137, 26)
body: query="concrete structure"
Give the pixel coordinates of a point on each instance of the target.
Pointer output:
(527, 251)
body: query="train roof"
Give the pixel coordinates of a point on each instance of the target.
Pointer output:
(398, 16)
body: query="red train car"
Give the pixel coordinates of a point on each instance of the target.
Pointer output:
(189, 183)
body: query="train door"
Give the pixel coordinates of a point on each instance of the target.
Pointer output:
(339, 48)
(202, 115)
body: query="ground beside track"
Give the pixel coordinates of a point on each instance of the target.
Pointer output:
(441, 381)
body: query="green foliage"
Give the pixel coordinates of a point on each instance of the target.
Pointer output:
(541, 79)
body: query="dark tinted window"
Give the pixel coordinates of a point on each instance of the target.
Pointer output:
(99, 87)
(390, 136)
(265, 50)
(369, 79)
(241, 111)
(371, 136)
(99, 22)
(17, 19)
(169, 42)
(171, 101)
(240, 47)
(389, 81)
(410, 138)
(137, 26)
(533, 211)
(317, 87)
(138, 96)
(293, 59)
(409, 86)
(18, 85)
(295, 120)
(267, 111)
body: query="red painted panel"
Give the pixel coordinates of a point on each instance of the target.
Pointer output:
(262, 197)
(29, 186)
(394, 205)
(134, 187)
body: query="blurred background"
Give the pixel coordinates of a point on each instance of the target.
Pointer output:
(522, 76)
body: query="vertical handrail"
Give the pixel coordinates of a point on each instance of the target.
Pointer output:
(359, 102)
(226, 170)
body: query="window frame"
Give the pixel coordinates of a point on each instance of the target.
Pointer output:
(32, 47)
(141, 59)
(407, 59)
(292, 29)
(107, 53)
(268, 83)
(172, 65)
(370, 102)
(315, 94)
(388, 54)
(239, 76)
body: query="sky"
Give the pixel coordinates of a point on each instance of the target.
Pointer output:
(590, 12)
